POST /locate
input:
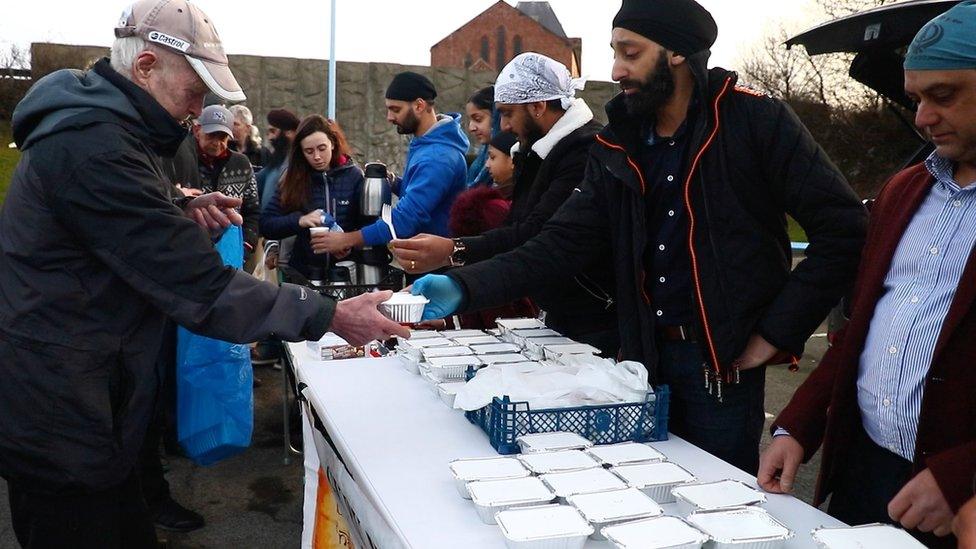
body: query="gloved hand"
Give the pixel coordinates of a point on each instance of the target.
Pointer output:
(444, 293)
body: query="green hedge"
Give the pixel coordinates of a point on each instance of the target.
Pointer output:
(8, 159)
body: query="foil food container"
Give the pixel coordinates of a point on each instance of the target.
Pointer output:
(451, 368)
(452, 334)
(550, 442)
(495, 348)
(482, 469)
(712, 496)
(664, 532)
(544, 527)
(603, 509)
(493, 496)
(560, 461)
(506, 325)
(625, 453)
(865, 536)
(741, 528)
(448, 391)
(656, 479)
(477, 340)
(586, 481)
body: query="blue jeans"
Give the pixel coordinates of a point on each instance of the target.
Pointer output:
(729, 430)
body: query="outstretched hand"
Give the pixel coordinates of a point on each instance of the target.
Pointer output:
(359, 321)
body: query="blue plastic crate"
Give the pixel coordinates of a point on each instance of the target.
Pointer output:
(504, 421)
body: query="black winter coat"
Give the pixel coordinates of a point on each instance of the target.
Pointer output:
(752, 163)
(577, 303)
(93, 258)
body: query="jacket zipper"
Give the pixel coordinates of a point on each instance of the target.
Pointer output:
(713, 375)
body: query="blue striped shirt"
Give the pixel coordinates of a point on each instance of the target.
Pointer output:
(918, 291)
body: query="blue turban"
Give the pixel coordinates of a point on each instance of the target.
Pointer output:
(947, 42)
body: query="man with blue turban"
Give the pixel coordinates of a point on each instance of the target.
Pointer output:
(894, 401)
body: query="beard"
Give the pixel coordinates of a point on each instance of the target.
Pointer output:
(533, 132)
(279, 150)
(653, 93)
(409, 125)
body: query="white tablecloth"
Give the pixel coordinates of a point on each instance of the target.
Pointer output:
(396, 439)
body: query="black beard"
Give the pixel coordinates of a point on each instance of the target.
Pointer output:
(533, 132)
(653, 93)
(279, 150)
(409, 125)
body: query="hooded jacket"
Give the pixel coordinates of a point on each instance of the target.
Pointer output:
(433, 177)
(93, 257)
(337, 192)
(752, 162)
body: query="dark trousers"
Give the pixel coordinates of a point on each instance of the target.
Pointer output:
(730, 429)
(870, 478)
(109, 519)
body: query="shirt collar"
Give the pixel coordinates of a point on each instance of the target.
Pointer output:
(943, 170)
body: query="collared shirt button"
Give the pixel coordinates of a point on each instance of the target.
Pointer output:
(893, 350)
(893, 448)
(660, 313)
(671, 143)
(661, 280)
(914, 299)
(934, 250)
(670, 178)
(957, 203)
(661, 247)
(670, 213)
(886, 402)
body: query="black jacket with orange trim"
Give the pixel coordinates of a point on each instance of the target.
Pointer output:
(752, 164)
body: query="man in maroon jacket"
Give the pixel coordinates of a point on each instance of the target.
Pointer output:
(894, 401)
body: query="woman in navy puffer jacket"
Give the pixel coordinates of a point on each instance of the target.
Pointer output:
(321, 178)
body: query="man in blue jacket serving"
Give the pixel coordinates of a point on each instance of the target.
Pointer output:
(435, 170)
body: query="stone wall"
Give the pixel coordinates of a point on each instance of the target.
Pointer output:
(301, 85)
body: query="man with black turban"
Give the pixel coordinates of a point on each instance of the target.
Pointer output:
(690, 185)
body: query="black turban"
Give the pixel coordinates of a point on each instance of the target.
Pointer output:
(682, 26)
(410, 86)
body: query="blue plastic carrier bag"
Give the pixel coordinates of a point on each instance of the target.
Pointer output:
(214, 390)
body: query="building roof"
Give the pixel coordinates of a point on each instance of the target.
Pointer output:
(542, 13)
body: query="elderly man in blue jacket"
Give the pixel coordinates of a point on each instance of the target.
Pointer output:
(434, 174)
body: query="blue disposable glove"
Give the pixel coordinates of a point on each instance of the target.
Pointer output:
(444, 293)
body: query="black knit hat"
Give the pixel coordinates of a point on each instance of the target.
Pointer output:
(409, 86)
(283, 119)
(682, 26)
(504, 141)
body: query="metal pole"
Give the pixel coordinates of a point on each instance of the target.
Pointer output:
(332, 65)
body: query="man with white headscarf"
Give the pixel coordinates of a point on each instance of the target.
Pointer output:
(536, 98)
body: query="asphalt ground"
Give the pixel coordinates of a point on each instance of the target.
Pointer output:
(255, 500)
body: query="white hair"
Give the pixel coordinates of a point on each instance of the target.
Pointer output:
(242, 113)
(256, 136)
(124, 53)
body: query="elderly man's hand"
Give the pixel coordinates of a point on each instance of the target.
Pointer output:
(214, 212)
(920, 504)
(964, 526)
(359, 321)
(423, 253)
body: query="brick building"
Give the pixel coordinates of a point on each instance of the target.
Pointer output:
(496, 35)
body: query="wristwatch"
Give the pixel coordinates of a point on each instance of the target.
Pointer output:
(460, 254)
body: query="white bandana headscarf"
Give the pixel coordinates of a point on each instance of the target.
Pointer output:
(532, 77)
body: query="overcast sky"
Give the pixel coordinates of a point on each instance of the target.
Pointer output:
(383, 30)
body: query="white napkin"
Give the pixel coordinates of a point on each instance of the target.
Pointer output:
(586, 381)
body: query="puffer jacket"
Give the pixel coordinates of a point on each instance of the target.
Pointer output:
(93, 258)
(752, 163)
(337, 191)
